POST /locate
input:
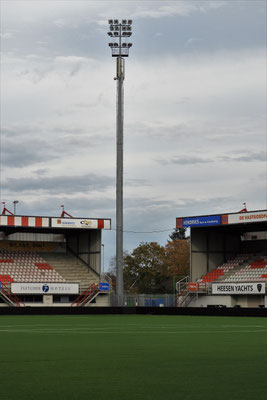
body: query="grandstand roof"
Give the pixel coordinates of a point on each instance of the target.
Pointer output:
(53, 223)
(240, 218)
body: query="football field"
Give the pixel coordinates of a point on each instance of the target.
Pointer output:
(129, 357)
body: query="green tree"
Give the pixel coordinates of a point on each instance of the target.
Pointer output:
(152, 268)
(178, 234)
(144, 269)
(177, 260)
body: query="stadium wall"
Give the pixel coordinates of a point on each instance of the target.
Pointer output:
(190, 311)
(229, 301)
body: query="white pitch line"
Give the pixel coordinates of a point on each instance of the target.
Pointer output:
(73, 331)
(243, 326)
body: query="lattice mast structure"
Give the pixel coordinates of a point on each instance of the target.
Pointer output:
(120, 32)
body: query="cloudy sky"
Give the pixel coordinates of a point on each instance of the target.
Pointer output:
(195, 111)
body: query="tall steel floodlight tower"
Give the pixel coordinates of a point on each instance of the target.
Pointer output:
(119, 32)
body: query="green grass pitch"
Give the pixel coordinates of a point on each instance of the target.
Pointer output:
(115, 357)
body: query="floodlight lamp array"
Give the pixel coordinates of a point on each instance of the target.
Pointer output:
(123, 22)
(120, 31)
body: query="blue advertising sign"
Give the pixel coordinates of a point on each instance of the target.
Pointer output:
(104, 286)
(202, 221)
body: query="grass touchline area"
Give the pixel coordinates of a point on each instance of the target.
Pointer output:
(132, 357)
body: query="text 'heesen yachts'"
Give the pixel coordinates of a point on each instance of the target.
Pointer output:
(238, 288)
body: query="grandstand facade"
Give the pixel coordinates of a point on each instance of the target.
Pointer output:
(49, 261)
(228, 260)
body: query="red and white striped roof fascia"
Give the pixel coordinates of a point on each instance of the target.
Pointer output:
(46, 222)
(35, 222)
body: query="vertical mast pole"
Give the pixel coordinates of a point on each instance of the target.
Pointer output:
(119, 31)
(119, 178)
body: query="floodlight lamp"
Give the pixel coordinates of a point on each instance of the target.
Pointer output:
(110, 44)
(116, 33)
(130, 21)
(115, 45)
(110, 34)
(111, 27)
(123, 28)
(130, 44)
(124, 44)
(124, 21)
(117, 28)
(116, 21)
(110, 21)
(129, 28)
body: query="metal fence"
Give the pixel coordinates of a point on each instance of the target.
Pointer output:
(146, 300)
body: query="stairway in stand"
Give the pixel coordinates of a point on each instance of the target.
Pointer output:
(71, 269)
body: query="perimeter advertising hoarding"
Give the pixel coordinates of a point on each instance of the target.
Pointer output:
(238, 288)
(245, 217)
(198, 221)
(83, 223)
(44, 288)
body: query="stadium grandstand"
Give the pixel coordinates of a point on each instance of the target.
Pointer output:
(228, 260)
(49, 261)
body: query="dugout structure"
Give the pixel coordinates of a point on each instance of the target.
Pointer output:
(52, 261)
(228, 259)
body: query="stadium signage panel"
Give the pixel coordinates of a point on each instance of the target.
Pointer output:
(238, 288)
(198, 221)
(44, 288)
(83, 223)
(104, 286)
(245, 217)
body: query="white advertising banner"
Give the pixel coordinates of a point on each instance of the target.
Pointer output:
(245, 217)
(44, 288)
(238, 288)
(83, 223)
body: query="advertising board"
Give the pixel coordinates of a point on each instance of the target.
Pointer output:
(104, 286)
(82, 223)
(198, 221)
(44, 288)
(238, 288)
(245, 217)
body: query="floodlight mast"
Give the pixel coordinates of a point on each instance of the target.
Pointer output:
(119, 31)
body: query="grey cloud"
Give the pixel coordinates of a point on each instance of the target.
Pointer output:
(22, 146)
(159, 129)
(70, 33)
(137, 182)
(25, 153)
(41, 171)
(189, 160)
(59, 184)
(184, 160)
(247, 157)
(80, 206)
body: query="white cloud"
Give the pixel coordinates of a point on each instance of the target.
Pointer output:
(60, 23)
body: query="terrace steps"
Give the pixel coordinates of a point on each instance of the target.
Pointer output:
(71, 268)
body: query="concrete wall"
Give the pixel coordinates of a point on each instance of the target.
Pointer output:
(198, 265)
(102, 300)
(230, 301)
(87, 246)
(204, 301)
